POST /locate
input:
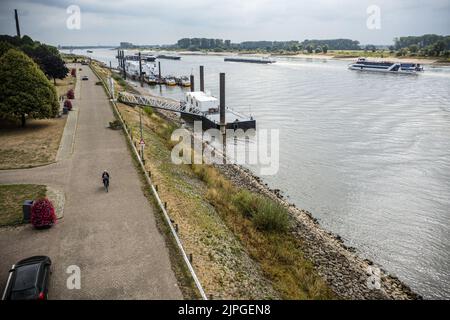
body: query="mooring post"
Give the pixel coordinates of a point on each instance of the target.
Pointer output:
(202, 80)
(124, 71)
(159, 70)
(222, 103)
(192, 83)
(140, 70)
(16, 16)
(222, 115)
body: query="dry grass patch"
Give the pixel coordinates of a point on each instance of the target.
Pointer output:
(12, 198)
(64, 85)
(34, 145)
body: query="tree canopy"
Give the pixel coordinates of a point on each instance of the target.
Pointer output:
(47, 57)
(24, 89)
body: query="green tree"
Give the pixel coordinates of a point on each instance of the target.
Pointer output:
(49, 59)
(24, 89)
(325, 48)
(413, 48)
(438, 47)
(4, 47)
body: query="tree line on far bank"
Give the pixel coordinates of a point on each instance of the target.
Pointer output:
(25, 69)
(428, 45)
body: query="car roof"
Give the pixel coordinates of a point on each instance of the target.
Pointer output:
(26, 276)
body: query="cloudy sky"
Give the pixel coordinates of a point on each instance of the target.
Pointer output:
(164, 22)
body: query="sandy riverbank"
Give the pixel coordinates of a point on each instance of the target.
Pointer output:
(312, 56)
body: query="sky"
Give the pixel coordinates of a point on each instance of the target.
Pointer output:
(108, 22)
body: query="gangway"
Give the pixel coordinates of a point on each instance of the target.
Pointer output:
(157, 102)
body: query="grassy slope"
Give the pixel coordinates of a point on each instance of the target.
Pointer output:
(12, 198)
(213, 227)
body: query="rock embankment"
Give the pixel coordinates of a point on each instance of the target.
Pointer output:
(349, 276)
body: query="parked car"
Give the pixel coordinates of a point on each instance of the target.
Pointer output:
(85, 78)
(28, 279)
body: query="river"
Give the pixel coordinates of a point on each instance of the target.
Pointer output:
(367, 154)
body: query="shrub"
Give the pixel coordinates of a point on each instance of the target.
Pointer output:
(68, 105)
(245, 202)
(42, 213)
(70, 94)
(116, 124)
(266, 214)
(271, 216)
(148, 110)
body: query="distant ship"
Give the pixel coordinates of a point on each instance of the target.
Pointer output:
(163, 56)
(385, 66)
(89, 51)
(250, 60)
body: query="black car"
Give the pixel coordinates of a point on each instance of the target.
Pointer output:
(28, 279)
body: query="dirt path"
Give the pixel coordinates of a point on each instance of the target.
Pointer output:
(112, 236)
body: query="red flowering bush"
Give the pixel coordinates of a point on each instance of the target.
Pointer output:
(70, 94)
(68, 105)
(73, 73)
(42, 213)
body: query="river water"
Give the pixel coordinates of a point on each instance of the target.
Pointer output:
(367, 154)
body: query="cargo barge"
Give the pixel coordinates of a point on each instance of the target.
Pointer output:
(250, 60)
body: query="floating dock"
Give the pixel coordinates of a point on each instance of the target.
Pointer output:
(197, 106)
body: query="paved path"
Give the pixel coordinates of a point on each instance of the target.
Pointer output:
(111, 236)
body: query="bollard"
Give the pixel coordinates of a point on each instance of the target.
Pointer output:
(176, 227)
(149, 173)
(210, 296)
(165, 205)
(190, 258)
(156, 187)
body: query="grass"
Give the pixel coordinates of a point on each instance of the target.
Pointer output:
(220, 261)
(62, 86)
(12, 198)
(263, 228)
(36, 144)
(241, 241)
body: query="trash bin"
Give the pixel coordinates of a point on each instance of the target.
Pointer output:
(27, 210)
